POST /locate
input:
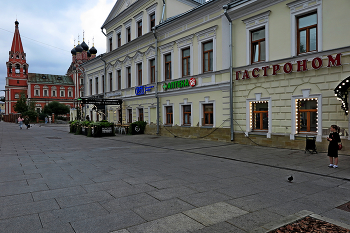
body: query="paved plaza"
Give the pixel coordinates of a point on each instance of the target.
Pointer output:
(54, 181)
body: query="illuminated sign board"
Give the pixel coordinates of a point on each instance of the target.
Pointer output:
(141, 90)
(178, 84)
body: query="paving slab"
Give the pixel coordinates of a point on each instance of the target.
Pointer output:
(176, 223)
(215, 213)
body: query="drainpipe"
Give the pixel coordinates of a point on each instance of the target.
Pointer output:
(226, 7)
(162, 19)
(104, 82)
(156, 73)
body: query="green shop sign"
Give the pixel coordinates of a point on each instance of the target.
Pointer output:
(178, 84)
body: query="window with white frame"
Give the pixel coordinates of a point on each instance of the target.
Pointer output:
(90, 86)
(128, 77)
(62, 91)
(168, 115)
(118, 33)
(53, 91)
(36, 90)
(207, 43)
(46, 91)
(110, 81)
(140, 112)
(207, 112)
(186, 113)
(127, 26)
(139, 24)
(257, 38)
(185, 50)
(306, 26)
(258, 112)
(306, 115)
(16, 96)
(129, 115)
(150, 65)
(166, 52)
(151, 12)
(110, 42)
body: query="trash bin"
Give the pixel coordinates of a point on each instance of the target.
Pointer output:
(311, 144)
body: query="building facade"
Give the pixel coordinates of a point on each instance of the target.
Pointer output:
(286, 58)
(43, 88)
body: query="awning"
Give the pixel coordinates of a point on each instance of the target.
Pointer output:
(341, 91)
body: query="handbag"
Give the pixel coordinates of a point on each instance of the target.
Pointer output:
(340, 146)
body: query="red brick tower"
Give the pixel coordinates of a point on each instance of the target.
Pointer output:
(17, 72)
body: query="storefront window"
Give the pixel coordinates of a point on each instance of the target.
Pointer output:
(208, 114)
(260, 117)
(307, 115)
(186, 114)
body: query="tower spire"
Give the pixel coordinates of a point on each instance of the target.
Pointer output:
(17, 46)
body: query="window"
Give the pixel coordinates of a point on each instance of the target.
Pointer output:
(139, 28)
(17, 68)
(37, 92)
(90, 84)
(307, 33)
(139, 74)
(16, 96)
(119, 80)
(103, 83)
(208, 114)
(128, 35)
(43, 77)
(129, 115)
(110, 82)
(186, 114)
(59, 78)
(38, 110)
(45, 92)
(168, 67)
(169, 115)
(260, 115)
(258, 45)
(152, 21)
(208, 56)
(129, 76)
(81, 94)
(62, 93)
(186, 62)
(110, 44)
(81, 81)
(70, 94)
(96, 85)
(53, 93)
(24, 69)
(10, 68)
(140, 114)
(153, 70)
(119, 39)
(307, 115)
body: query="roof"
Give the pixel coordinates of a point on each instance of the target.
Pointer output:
(50, 79)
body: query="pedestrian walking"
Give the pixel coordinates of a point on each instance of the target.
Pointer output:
(26, 121)
(46, 119)
(20, 122)
(334, 140)
(49, 120)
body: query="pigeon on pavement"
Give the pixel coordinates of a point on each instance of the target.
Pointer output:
(290, 178)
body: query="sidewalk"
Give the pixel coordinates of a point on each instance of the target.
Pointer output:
(54, 181)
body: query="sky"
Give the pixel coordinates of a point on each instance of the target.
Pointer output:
(48, 30)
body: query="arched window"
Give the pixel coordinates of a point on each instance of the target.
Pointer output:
(10, 68)
(24, 69)
(18, 67)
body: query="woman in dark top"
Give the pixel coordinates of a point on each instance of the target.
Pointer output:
(333, 139)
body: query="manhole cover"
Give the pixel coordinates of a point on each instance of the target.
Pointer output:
(53, 137)
(345, 207)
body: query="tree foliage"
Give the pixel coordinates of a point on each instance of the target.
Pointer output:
(56, 107)
(21, 104)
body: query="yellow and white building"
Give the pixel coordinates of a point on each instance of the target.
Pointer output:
(287, 57)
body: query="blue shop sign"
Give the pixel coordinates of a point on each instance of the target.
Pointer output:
(141, 90)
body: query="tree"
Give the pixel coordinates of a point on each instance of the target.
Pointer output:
(56, 107)
(21, 104)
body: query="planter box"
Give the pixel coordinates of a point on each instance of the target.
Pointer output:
(98, 131)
